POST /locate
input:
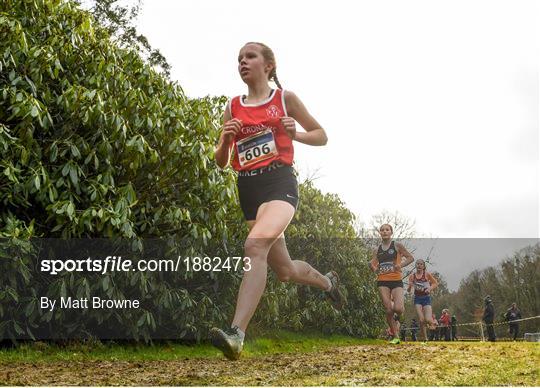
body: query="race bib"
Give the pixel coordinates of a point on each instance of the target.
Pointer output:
(386, 267)
(421, 286)
(255, 148)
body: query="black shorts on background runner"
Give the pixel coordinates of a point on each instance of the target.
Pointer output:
(275, 182)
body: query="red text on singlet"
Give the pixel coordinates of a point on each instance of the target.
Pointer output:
(262, 138)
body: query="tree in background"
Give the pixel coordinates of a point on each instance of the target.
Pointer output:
(118, 20)
(516, 279)
(403, 226)
(440, 296)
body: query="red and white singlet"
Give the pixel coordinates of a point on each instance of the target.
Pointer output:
(262, 138)
(421, 284)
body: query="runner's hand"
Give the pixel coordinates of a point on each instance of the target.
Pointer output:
(290, 126)
(230, 129)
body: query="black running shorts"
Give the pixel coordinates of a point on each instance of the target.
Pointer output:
(391, 284)
(278, 183)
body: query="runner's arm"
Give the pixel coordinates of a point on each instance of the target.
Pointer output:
(433, 283)
(315, 134)
(373, 264)
(411, 282)
(405, 253)
(222, 154)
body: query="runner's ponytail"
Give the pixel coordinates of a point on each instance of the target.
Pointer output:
(273, 77)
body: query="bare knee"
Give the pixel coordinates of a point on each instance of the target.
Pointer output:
(254, 246)
(398, 310)
(422, 321)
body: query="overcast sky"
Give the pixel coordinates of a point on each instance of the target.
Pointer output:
(431, 107)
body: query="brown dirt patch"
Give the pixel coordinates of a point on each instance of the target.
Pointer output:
(413, 364)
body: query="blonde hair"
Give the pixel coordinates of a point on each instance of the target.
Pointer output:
(269, 57)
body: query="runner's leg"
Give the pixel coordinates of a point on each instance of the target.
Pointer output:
(399, 306)
(399, 303)
(296, 271)
(421, 318)
(387, 302)
(428, 315)
(272, 219)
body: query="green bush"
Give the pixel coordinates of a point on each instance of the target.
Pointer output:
(95, 143)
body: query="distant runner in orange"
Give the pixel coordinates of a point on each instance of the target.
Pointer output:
(387, 263)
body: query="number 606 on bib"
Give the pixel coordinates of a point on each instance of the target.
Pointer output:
(255, 148)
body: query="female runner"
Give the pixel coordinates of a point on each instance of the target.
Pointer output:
(259, 129)
(386, 262)
(423, 283)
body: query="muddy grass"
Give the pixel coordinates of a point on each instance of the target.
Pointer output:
(407, 364)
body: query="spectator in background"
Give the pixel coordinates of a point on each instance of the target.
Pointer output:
(444, 321)
(512, 314)
(414, 329)
(489, 315)
(453, 323)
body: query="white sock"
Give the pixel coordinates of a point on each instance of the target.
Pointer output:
(241, 334)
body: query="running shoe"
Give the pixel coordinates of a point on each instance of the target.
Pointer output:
(395, 341)
(228, 341)
(334, 294)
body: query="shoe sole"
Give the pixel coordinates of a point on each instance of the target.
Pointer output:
(221, 343)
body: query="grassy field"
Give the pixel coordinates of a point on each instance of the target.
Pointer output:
(287, 360)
